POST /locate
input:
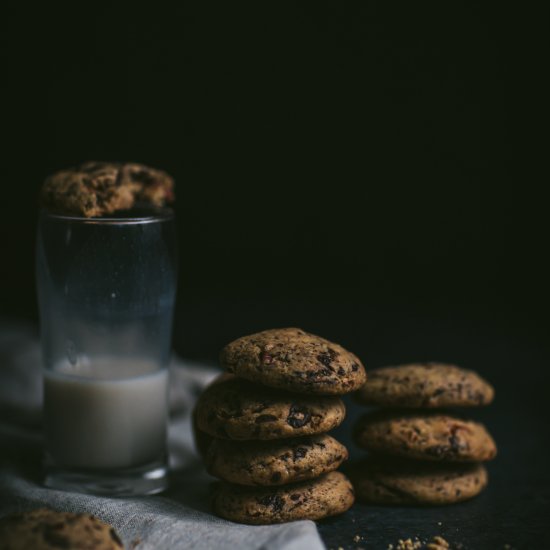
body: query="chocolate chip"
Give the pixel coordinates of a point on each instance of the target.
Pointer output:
(275, 502)
(51, 536)
(266, 358)
(341, 371)
(319, 373)
(326, 358)
(143, 177)
(299, 452)
(437, 450)
(114, 536)
(354, 367)
(276, 477)
(454, 442)
(265, 418)
(295, 497)
(298, 416)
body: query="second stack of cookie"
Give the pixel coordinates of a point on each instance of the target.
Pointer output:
(262, 428)
(419, 452)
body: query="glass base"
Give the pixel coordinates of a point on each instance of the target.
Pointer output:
(145, 480)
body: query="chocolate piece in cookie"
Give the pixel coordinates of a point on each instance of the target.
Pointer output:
(424, 436)
(46, 529)
(274, 462)
(383, 481)
(238, 409)
(294, 360)
(96, 189)
(425, 385)
(325, 496)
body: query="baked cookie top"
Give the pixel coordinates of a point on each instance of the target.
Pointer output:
(238, 409)
(45, 529)
(425, 385)
(424, 436)
(276, 462)
(294, 360)
(96, 189)
(328, 495)
(408, 482)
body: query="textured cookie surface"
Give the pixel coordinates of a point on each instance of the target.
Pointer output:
(274, 462)
(294, 360)
(96, 189)
(424, 436)
(238, 409)
(392, 482)
(325, 496)
(425, 385)
(46, 529)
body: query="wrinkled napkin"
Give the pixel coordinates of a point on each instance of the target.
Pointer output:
(179, 519)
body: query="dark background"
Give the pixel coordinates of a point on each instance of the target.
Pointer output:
(366, 172)
(375, 155)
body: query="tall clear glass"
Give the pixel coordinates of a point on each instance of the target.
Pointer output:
(106, 289)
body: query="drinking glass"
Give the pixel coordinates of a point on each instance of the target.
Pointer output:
(106, 289)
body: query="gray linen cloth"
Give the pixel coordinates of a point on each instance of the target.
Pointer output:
(178, 519)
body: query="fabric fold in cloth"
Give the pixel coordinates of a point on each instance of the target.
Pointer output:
(179, 519)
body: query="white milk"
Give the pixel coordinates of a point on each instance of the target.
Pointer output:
(109, 414)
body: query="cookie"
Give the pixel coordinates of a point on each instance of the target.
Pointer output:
(424, 436)
(274, 462)
(96, 189)
(325, 496)
(384, 481)
(46, 529)
(238, 409)
(425, 385)
(201, 439)
(294, 360)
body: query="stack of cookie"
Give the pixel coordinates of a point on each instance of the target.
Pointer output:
(418, 454)
(262, 429)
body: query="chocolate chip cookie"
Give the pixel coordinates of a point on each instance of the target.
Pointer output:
(294, 360)
(96, 189)
(238, 409)
(425, 385)
(274, 462)
(46, 529)
(424, 436)
(325, 496)
(384, 481)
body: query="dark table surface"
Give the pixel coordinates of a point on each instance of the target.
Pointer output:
(514, 509)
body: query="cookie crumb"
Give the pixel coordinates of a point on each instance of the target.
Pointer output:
(408, 544)
(437, 543)
(356, 538)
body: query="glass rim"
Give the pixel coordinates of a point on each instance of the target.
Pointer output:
(156, 216)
